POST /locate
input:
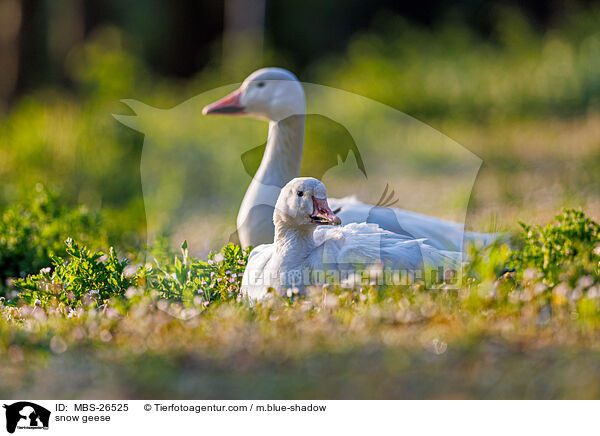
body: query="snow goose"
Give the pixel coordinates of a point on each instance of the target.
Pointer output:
(276, 95)
(307, 249)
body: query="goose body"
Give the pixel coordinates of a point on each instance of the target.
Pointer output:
(276, 95)
(307, 248)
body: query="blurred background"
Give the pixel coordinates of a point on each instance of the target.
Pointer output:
(517, 83)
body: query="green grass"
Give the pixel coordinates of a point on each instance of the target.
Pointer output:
(509, 334)
(514, 92)
(137, 321)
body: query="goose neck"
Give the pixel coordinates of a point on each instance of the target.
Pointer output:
(296, 244)
(283, 154)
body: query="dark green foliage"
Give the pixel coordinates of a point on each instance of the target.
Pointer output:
(197, 281)
(87, 277)
(83, 277)
(33, 230)
(568, 246)
(515, 321)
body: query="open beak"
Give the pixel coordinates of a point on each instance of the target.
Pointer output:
(322, 214)
(228, 105)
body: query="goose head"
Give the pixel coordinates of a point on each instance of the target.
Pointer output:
(302, 204)
(271, 94)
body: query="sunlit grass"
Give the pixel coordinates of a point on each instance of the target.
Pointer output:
(525, 103)
(503, 334)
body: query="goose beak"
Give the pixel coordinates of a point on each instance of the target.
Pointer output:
(228, 105)
(322, 214)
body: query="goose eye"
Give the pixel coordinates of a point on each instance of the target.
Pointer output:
(260, 84)
(300, 193)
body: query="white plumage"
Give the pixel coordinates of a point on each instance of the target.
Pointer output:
(276, 95)
(438, 233)
(307, 250)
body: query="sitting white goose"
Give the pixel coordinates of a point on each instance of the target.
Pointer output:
(306, 249)
(276, 95)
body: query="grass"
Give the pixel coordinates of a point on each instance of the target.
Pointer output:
(523, 100)
(418, 346)
(519, 334)
(141, 322)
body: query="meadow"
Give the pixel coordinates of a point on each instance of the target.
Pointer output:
(102, 298)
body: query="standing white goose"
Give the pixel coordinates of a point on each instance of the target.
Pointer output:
(305, 247)
(276, 95)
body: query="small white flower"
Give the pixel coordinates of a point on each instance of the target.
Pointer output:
(539, 288)
(331, 301)
(593, 292)
(130, 271)
(585, 282)
(562, 289)
(352, 281)
(530, 274)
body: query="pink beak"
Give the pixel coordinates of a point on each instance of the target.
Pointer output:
(322, 214)
(228, 105)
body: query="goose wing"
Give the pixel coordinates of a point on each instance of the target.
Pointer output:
(364, 244)
(439, 233)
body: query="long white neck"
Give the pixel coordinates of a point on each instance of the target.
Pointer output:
(279, 165)
(281, 161)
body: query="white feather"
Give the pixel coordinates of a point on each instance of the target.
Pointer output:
(295, 256)
(278, 101)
